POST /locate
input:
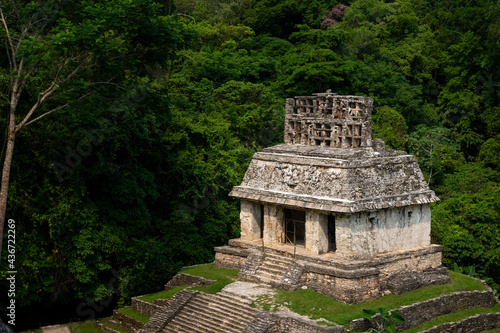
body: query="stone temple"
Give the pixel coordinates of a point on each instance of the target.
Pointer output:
(334, 211)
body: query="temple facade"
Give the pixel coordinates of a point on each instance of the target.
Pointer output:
(333, 210)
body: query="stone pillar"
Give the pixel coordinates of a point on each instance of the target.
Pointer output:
(289, 106)
(316, 232)
(273, 224)
(250, 220)
(345, 144)
(343, 236)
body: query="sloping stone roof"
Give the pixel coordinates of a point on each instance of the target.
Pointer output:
(334, 179)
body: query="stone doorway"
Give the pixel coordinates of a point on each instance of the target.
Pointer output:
(295, 227)
(261, 221)
(332, 246)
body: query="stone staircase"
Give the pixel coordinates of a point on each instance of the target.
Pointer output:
(212, 313)
(272, 269)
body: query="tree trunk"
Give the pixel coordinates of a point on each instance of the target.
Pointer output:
(11, 137)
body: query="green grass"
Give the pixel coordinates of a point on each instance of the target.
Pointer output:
(223, 276)
(133, 314)
(105, 323)
(453, 317)
(164, 294)
(86, 327)
(496, 330)
(304, 301)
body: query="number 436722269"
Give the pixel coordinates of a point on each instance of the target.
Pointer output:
(11, 244)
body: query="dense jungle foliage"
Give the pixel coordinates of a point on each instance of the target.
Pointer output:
(113, 194)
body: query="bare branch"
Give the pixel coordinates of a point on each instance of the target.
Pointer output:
(9, 37)
(14, 5)
(24, 32)
(51, 111)
(10, 61)
(120, 86)
(43, 115)
(180, 14)
(30, 112)
(25, 79)
(44, 96)
(20, 69)
(77, 69)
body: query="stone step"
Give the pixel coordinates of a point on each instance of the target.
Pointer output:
(252, 278)
(227, 301)
(212, 313)
(184, 324)
(231, 309)
(203, 323)
(108, 329)
(270, 276)
(278, 260)
(221, 313)
(273, 270)
(175, 304)
(266, 280)
(126, 322)
(239, 298)
(276, 265)
(180, 325)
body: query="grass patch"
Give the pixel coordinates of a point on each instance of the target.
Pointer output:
(265, 302)
(453, 317)
(313, 304)
(133, 314)
(164, 294)
(223, 276)
(86, 327)
(114, 327)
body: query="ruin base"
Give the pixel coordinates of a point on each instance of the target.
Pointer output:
(347, 280)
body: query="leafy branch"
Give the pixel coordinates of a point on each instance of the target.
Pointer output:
(388, 323)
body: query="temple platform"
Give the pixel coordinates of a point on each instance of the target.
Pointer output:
(346, 279)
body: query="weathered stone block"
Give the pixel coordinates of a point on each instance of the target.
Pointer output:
(316, 232)
(273, 224)
(182, 279)
(230, 257)
(421, 312)
(250, 215)
(144, 307)
(410, 280)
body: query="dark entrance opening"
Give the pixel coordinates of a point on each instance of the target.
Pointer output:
(261, 221)
(295, 227)
(332, 247)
